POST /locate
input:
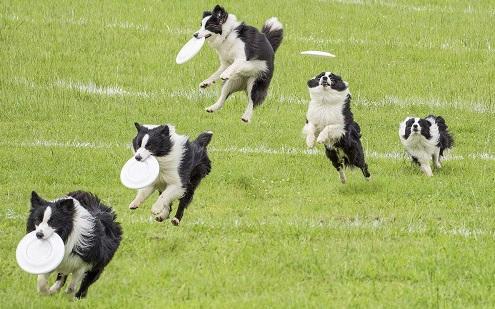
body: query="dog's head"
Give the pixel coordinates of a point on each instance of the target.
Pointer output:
(47, 217)
(412, 126)
(152, 141)
(327, 82)
(212, 23)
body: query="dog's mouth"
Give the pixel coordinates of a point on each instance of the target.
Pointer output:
(207, 36)
(325, 84)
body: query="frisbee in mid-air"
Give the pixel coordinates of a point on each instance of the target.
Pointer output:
(189, 50)
(139, 174)
(317, 53)
(40, 256)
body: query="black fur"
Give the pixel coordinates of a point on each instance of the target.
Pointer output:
(159, 143)
(194, 164)
(194, 167)
(258, 46)
(446, 140)
(105, 236)
(218, 18)
(349, 144)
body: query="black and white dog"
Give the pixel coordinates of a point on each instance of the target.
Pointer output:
(246, 56)
(329, 121)
(426, 139)
(183, 164)
(90, 234)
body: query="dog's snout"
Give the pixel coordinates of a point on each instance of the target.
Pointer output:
(415, 126)
(324, 78)
(138, 157)
(196, 35)
(39, 235)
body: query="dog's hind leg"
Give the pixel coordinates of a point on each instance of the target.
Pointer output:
(187, 198)
(89, 279)
(61, 278)
(256, 91)
(337, 162)
(230, 86)
(141, 196)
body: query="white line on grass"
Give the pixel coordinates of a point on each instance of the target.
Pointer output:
(413, 8)
(482, 107)
(175, 31)
(259, 150)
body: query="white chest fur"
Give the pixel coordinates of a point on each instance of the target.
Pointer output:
(322, 113)
(169, 164)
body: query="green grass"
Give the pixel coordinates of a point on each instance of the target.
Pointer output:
(265, 230)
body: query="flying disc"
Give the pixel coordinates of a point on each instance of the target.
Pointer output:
(139, 174)
(317, 53)
(40, 256)
(189, 50)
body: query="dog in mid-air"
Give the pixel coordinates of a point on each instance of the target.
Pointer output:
(426, 139)
(329, 121)
(183, 164)
(246, 56)
(90, 233)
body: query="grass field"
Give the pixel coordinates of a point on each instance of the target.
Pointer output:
(271, 226)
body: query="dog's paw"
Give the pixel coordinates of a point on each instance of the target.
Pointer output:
(310, 141)
(245, 119)
(133, 205)
(156, 209)
(175, 221)
(322, 139)
(205, 84)
(44, 290)
(164, 214)
(211, 109)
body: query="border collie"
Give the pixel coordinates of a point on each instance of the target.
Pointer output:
(90, 234)
(329, 121)
(426, 139)
(183, 164)
(246, 56)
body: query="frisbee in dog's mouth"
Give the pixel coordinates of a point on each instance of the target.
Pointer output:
(189, 50)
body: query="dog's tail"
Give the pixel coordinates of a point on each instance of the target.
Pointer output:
(274, 32)
(204, 139)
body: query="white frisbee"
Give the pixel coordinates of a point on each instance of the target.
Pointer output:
(139, 174)
(317, 53)
(40, 256)
(189, 50)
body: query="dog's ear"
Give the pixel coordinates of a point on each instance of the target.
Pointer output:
(337, 83)
(36, 200)
(220, 13)
(206, 13)
(67, 204)
(314, 82)
(164, 130)
(138, 126)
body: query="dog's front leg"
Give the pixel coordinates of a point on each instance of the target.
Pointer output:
(425, 167)
(214, 77)
(232, 70)
(161, 208)
(141, 196)
(330, 134)
(42, 283)
(310, 131)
